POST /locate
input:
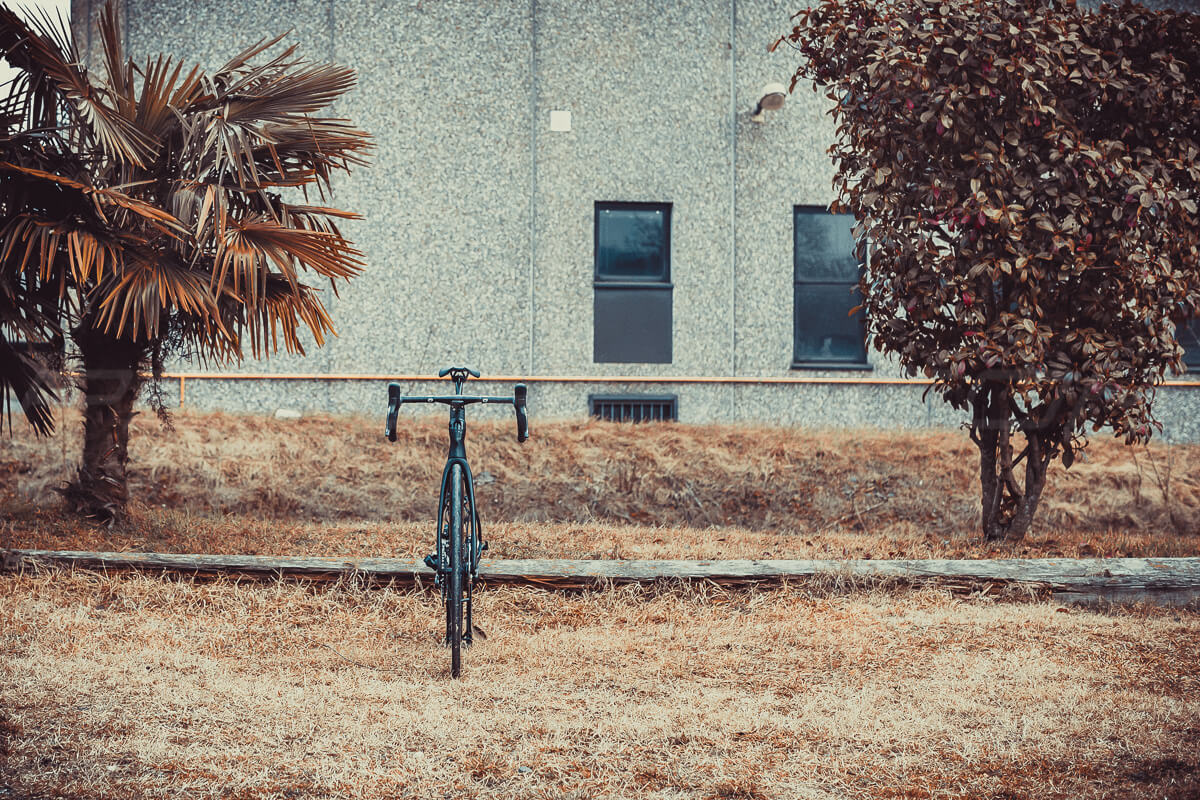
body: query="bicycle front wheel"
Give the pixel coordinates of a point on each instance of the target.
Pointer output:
(454, 582)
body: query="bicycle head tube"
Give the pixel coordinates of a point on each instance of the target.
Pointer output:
(458, 431)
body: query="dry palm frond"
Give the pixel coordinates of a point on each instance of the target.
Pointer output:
(101, 197)
(283, 307)
(147, 289)
(225, 74)
(89, 255)
(155, 206)
(45, 53)
(25, 380)
(327, 254)
(287, 97)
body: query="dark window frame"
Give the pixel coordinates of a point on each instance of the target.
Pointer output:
(663, 280)
(863, 365)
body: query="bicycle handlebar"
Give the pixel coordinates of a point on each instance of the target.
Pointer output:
(517, 401)
(394, 402)
(519, 395)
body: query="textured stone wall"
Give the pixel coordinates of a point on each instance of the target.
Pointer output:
(479, 218)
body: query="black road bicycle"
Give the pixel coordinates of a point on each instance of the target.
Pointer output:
(458, 536)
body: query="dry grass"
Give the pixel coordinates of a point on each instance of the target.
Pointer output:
(133, 687)
(130, 687)
(332, 486)
(166, 531)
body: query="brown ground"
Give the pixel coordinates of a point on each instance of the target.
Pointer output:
(130, 686)
(134, 687)
(333, 486)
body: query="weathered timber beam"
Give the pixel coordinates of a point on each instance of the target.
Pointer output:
(1171, 581)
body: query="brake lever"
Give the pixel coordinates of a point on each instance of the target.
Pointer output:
(394, 403)
(520, 393)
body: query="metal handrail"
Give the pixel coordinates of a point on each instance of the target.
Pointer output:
(184, 377)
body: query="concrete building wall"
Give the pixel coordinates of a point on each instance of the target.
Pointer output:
(479, 219)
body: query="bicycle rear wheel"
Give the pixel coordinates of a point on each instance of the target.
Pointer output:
(454, 582)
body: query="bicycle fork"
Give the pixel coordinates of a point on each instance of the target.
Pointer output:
(439, 562)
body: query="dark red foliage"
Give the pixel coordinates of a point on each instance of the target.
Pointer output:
(1027, 173)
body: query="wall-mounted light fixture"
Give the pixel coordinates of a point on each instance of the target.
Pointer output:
(771, 97)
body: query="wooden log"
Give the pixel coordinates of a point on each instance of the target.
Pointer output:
(1167, 581)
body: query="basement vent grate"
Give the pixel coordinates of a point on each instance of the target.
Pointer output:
(634, 408)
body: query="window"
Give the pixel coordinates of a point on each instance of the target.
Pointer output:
(632, 283)
(825, 288)
(634, 408)
(1189, 339)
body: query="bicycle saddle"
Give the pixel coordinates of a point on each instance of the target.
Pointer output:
(458, 373)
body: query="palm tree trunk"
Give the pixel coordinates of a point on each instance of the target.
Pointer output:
(110, 382)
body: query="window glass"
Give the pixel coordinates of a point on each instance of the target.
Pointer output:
(825, 247)
(631, 242)
(633, 311)
(824, 329)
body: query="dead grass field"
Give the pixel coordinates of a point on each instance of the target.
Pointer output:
(332, 486)
(135, 687)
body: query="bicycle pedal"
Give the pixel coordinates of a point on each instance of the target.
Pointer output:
(431, 562)
(483, 547)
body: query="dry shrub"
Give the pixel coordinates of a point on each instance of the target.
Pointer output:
(334, 469)
(332, 486)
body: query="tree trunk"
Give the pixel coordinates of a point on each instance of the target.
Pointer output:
(1036, 463)
(1008, 512)
(989, 483)
(990, 413)
(110, 383)
(1006, 509)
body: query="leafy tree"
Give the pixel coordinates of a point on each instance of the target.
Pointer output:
(1028, 172)
(153, 202)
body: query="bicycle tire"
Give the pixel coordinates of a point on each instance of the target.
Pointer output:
(454, 581)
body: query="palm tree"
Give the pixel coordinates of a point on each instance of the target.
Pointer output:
(153, 202)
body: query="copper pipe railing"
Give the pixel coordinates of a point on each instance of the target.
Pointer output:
(184, 377)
